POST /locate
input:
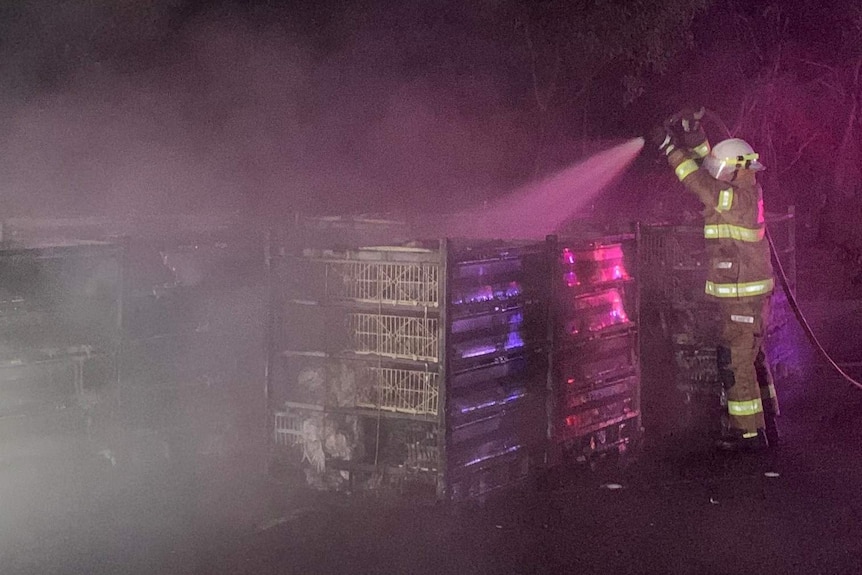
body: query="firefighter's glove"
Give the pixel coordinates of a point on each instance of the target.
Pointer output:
(690, 119)
(664, 139)
(692, 140)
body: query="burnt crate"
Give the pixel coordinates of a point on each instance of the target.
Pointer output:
(347, 382)
(673, 268)
(595, 376)
(697, 370)
(595, 313)
(595, 265)
(60, 310)
(418, 368)
(673, 263)
(598, 359)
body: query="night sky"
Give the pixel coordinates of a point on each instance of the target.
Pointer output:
(179, 105)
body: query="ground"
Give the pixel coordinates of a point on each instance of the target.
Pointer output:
(680, 506)
(679, 509)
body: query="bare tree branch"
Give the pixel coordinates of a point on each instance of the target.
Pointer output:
(534, 71)
(533, 58)
(799, 153)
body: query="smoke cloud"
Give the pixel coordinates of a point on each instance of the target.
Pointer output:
(119, 108)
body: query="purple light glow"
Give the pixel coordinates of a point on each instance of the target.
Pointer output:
(492, 455)
(484, 405)
(514, 341)
(478, 351)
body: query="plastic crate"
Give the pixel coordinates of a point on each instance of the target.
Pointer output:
(593, 313)
(399, 390)
(574, 397)
(594, 266)
(617, 435)
(678, 288)
(594, 417)
(395, 336)
(387, 283)
(598, 359)
(692, 359)
(698, 325)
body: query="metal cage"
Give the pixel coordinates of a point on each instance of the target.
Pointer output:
(394, 336)
(387, 283)
(399, 390)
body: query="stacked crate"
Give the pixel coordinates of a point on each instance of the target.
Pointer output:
(674, 266)
(60, 307)
(408, 367)
(595, 380)
(496, 365)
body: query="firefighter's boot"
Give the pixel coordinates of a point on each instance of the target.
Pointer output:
(773, 435)
(736, 441)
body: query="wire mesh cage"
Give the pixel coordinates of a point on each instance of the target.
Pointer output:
(306, 428)
(673, 262)
(287, 429)
(394, 336)
(399, 390)
(384, 282)
(665, 248)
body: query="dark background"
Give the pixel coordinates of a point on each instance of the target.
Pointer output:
(197, 105)
(264, 107)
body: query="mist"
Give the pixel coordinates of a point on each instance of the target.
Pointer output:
(228, 111)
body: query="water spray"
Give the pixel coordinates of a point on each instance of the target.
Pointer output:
(539, 209)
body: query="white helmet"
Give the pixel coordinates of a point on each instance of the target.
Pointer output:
(731, 155)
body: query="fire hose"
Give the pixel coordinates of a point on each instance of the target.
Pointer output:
(800, 317)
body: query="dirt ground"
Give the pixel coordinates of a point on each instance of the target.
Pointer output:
(678, 507)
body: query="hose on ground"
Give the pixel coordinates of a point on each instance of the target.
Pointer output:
(794, 305)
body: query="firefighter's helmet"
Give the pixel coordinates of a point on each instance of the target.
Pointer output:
(730, 155)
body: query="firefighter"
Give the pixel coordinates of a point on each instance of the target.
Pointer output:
(740, 276)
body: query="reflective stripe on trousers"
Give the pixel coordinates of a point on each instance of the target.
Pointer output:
(749, 289)
(743, 408)
(743, 326)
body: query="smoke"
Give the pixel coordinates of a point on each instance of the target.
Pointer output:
(119, 108)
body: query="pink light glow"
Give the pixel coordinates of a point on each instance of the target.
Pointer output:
(539, 209)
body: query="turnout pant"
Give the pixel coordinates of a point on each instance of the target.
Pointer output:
(742, 365)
